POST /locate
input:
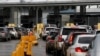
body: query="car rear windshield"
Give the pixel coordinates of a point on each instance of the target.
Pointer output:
(67, 31)
(75, 34)
(85, 40)
(53, 33)
(49, 29)
(52, 25)
(57, 29)
(10, 29)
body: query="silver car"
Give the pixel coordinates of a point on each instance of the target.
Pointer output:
(4, 34)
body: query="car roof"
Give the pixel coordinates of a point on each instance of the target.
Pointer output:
(2, 27)
(9, 27)
(86, 35)
(83, 25)
(80, 33)
(50, 27)
(75, 27)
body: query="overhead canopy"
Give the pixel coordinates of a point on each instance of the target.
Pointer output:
(47, 2)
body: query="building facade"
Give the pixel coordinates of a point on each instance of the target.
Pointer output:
(31, 12)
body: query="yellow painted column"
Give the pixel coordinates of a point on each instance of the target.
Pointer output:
(98, 26)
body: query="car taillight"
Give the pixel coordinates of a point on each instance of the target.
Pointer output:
(79, 49)
(2, 32)
(70, 40)
(52, 41)
(60, 38)
(49, 37)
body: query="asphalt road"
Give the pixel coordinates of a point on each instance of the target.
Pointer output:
(6, 48)
(40, 49)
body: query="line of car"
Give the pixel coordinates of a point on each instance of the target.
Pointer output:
(94, 47)
(68, 41)
(9, 33)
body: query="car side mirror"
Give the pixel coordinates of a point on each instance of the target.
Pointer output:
(90, 46)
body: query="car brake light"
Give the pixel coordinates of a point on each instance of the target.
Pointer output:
(60, 38)
(48, 38)
(2, 32)
(78, 49)
(52, 41)
(70, 39)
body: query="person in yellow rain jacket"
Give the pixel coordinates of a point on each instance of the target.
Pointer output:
(32, 38)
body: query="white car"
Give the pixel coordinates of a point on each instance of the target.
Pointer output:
(80, 45)
(89, 28)
(94, 48)
(46, 31)
(64, 32)
(13, 32)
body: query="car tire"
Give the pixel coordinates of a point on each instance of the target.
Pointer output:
(19, 36)
(44, 38)
(56, 51)
(70, 55)
(63, 50)
(6, 39)
(9, 39)
(47, 50)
